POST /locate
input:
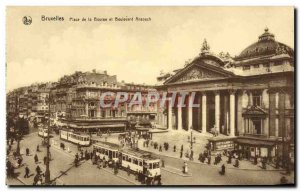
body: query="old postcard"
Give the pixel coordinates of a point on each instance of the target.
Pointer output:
(147, 96)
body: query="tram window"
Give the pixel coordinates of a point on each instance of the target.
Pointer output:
(141, 163)
(123, 157)
(106, 152)
(135, 161)
(129, 159)
(150, 166)
(155, 165)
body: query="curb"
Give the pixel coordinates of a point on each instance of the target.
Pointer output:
(17, 178)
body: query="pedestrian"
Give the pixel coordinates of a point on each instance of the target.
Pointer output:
(174, 148)
(38, 169)
(8, 167)
(20, 161)
(45, 160)
(36, 179)
(27, 171)
(160, 148)
(255, 160)
(192, 155)
(237, 164)
(116, 170)
(81, 155)
(185, 166)
(208, 159)
(86, 155)
(216, 161)
(76, 162)
(27, 151)
(128, 170)
(181, 152)
(222, 172)
(283, 180)
(36, 159)
(99, 166)
(37, 148)
(229, 158)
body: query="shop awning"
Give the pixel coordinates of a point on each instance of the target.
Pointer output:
(101, 126)
(255, 142)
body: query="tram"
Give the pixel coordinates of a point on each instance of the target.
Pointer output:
(136, 161)
(107, 150)
(43, 132)
(140, 161)
(76, 138)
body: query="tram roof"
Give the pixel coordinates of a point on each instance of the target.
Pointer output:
(107, 145)
(139, 153)
(74, 132)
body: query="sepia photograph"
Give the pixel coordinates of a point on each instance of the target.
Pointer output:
(150, 96)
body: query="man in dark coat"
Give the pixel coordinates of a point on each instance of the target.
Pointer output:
(27, 151)
(36, 159)
(26, 172)
(222, 172)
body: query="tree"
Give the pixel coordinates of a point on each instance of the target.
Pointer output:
(21, 128)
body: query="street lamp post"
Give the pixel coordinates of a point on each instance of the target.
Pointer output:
(191, 140)
(47, 172)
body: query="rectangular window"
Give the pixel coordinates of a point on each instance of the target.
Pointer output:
(256, 99)
(246, 67)
(256, 66)
(257, 126)
(277, 63)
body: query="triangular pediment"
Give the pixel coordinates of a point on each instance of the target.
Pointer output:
(199, 72)
(255, 111)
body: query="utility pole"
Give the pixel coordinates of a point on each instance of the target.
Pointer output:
(47, 172)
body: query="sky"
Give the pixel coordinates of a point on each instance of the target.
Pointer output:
(134, 51)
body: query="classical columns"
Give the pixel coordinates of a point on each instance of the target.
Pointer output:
(170, 114)
(204, 106)
(217, 111)
(87, 109)
(190, 113)
(179, 114)
(232, 112)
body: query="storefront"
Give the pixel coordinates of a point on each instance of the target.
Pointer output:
(251, 147)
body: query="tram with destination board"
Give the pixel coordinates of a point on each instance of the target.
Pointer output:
(136, 161)
(76, 138)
